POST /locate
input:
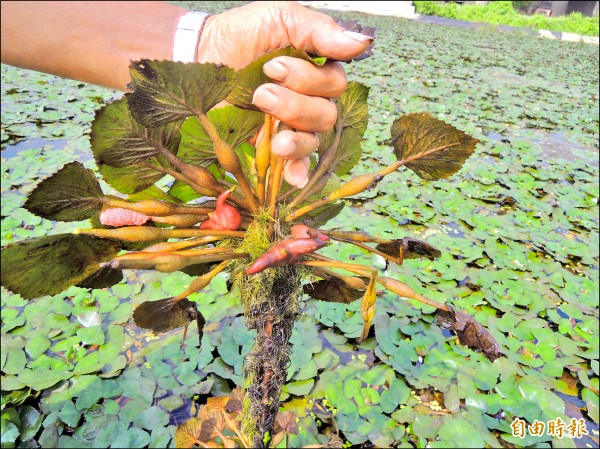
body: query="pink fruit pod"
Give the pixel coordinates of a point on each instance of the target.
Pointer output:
(117, 216)
(284, 253)
(301, 231)
(225, 217)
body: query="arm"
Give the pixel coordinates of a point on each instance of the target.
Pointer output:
(87, 41)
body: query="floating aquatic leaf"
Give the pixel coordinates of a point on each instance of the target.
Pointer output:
(165, 314)
(409, 248)
(71, 194)
(434, 148)
(470, 332)
(166, 91)
(286, 422)
(189, 433)
(50, 264)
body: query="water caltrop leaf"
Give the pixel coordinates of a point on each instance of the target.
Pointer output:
(118, 140)
(332, 290)
(470, 333)
(134, 178)
(252, 76)
(71, 194)
(234, 125)
(50, 264)
(434, 148)
(165, 314)
(103, 278)
(167, 91)
(409, 248)
(321, 215)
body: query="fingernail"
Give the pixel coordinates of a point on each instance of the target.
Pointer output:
(358, 37)
(276, 70)
(265, 99)
(284, 146)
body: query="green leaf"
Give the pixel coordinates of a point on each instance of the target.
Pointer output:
(134, 178)
(31, 420)
(183, 192)
(252, 76)
(353, 111)
(71, 194)
(166, 91)
(234, 125)
(460, 432)
(10, 433)
(153, 193)
(117, 139)
(50, 264)
(436, 149)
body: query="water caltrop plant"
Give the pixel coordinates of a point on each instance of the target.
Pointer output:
(229, 210)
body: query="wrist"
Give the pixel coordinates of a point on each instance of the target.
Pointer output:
(187, 36)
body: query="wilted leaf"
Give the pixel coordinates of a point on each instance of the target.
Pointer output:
(470, 333)
(351, 25)
(234, 125)
(409, 248)
(71, 194)
(118, 140)
(332, 290)
(286, 422)
(234, 401)
(165, 314)
(166, 91)
(435, 149)
(252, 76)
(50, 264)
(188, 434)
(367, 307)
(103, 278)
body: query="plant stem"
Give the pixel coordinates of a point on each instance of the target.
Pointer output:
(148, 234)
(230, 161)
(321, 170)
(396, 260)
(182, 244)
(355, 236)
(274, 182)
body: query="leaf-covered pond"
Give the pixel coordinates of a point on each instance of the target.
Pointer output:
(518, 229)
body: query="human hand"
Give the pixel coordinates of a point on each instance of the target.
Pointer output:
(301, 91)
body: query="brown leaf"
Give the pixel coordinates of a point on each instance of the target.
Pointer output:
(409, 248)
(165, 314)
(470, 333)
(286, 422)
(358, 28)
(332, 290)
(235, 400)
(334, 441)
(433, 148)
(188, 434)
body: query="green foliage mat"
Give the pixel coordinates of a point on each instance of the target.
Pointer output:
(518, 229)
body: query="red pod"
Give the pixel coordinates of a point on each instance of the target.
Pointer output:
(285, 252)
(302, 231)
(225, 217)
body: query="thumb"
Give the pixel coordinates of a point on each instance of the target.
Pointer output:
(317, 33)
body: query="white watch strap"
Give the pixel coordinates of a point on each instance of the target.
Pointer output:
(187, 35)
